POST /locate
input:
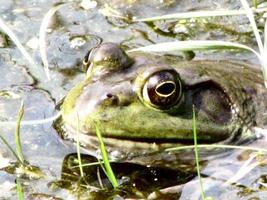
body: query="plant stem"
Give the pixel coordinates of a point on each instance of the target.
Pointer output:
(17, 134)
(196, 155)
(19, 189)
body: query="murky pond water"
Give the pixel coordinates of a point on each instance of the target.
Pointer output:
(74, 31)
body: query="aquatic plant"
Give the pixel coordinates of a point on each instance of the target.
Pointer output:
(107, 167)
(203, 196)
(17, 134)
(78, 149)
(18, 152)
(19, 189)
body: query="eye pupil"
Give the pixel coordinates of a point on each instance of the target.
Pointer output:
(166, 89)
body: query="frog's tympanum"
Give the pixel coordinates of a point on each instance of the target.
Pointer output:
(144, 103)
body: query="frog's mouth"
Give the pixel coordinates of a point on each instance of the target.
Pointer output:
(174, 154)
(162, 153)
(91, 142)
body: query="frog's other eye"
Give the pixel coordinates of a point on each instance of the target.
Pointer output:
(163, 89)
(108, 55)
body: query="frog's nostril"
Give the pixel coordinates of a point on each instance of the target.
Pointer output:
(110, 96)
(111, 99)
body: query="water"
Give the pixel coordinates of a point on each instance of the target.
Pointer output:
(73, 32)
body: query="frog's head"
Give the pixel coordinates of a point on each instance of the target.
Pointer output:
(146, 101)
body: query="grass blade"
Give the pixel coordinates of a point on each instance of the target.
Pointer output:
(17, 134)
(265, 35)
(263, 57)
(78, 148)
(193, 45)
(42, 35)
(31, 122)
(18, 153)
(19, 189)
(104, 154)
(16, 41)
(251, 18)
(255, 3)
(9, 147)
(196, 155)
(199, 14)
(222, 146)
(246, 168)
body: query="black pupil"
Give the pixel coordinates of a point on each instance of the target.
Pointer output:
(166, 88)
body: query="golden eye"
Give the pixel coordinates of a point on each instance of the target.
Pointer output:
(163, 89)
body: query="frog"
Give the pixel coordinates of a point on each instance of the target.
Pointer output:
(145, 103)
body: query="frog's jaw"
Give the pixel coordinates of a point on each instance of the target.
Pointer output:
(151, 153)
(128, 146)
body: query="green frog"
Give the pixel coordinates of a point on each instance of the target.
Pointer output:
(144, 103)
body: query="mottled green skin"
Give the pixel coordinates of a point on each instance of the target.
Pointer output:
(229, 99)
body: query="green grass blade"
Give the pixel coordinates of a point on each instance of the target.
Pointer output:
(79, 158)
(199, 14)
(9, 147)
(17, 134)
(78, 148)
(255, 3)
(104, 154)
(19, 189)
(196, 155)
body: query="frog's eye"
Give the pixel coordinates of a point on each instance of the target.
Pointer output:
(110, 56)
(163, 89)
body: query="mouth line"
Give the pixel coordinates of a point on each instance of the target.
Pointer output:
(184, 141)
